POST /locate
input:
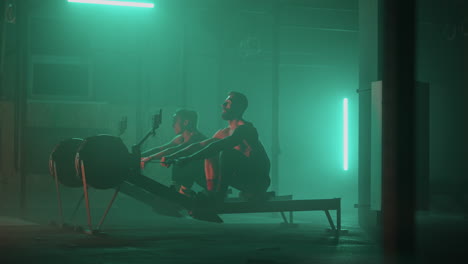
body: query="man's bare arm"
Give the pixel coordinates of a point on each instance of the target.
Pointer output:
(174, 142)
(192, 148)
(215, 147)
(165, 152)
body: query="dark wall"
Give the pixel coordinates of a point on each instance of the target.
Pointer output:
(319, 45)
(440, 62)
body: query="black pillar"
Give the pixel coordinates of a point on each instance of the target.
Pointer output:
(398, 148)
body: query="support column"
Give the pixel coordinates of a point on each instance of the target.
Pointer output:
(398, 142)
(20, 98)
(275, 145)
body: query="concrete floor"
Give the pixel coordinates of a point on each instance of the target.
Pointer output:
(254, 238)
(247, 238)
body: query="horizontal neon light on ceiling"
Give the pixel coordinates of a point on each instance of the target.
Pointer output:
(115, 3)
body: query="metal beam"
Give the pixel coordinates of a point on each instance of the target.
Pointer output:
(279, 206)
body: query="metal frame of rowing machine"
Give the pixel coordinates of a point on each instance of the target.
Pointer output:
(289, 206)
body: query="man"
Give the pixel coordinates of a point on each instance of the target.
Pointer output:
(185, 128)
(233, 157)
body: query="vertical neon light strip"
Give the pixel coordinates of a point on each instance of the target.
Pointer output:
(345, 134)
(116, 3)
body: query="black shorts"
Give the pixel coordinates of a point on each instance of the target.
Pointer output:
(248, 174)
(189, 174)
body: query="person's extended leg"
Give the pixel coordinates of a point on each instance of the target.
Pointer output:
(211, 173)
(206, 205)
(184, 177)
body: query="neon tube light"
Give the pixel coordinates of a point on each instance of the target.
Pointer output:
(115, 3)
(345, 134)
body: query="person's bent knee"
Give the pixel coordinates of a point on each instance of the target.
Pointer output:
(229, 155)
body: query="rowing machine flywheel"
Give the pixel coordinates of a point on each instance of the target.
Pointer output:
(105, 160)
(63, 156)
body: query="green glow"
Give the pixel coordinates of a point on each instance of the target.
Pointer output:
(345, 134)
(115, 3)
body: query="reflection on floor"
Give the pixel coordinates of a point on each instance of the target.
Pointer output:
(254, 238)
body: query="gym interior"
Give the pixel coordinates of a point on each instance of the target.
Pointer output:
(356, 101)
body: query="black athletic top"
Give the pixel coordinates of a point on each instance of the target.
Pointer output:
(250, 144)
